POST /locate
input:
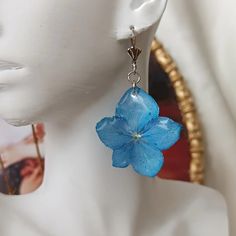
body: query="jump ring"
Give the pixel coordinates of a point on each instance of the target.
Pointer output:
(136, 77)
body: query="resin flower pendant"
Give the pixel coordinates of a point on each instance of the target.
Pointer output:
(137, 134)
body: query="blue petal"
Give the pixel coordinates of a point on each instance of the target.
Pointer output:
(145, 160)
(137, 108)
(121, 157)
(114, 132)
(161, 133)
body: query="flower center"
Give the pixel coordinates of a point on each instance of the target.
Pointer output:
(136, 136)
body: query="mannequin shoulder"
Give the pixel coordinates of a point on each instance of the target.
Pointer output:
(179, 208)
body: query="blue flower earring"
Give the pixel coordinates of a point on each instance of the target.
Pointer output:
(137, 134)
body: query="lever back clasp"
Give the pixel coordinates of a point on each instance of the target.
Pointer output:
(133, 51)
(133, 36)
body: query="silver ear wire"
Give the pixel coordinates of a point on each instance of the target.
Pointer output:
(133, 36)
(134, 52)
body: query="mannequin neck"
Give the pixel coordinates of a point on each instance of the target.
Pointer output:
(76, 159)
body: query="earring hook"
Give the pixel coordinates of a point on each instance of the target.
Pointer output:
(133, 51)
(134, 77)
(133, 36)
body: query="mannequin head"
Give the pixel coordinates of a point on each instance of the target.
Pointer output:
(65, 49)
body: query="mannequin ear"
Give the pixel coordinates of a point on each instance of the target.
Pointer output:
(142, 14)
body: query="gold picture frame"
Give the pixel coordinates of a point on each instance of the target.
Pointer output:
(188, 111)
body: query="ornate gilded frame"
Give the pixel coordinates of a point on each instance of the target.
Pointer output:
(187, 109)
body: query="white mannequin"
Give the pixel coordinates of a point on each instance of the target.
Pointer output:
(74, 72)
(207, 38)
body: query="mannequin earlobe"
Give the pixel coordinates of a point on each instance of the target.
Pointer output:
(141, 14)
